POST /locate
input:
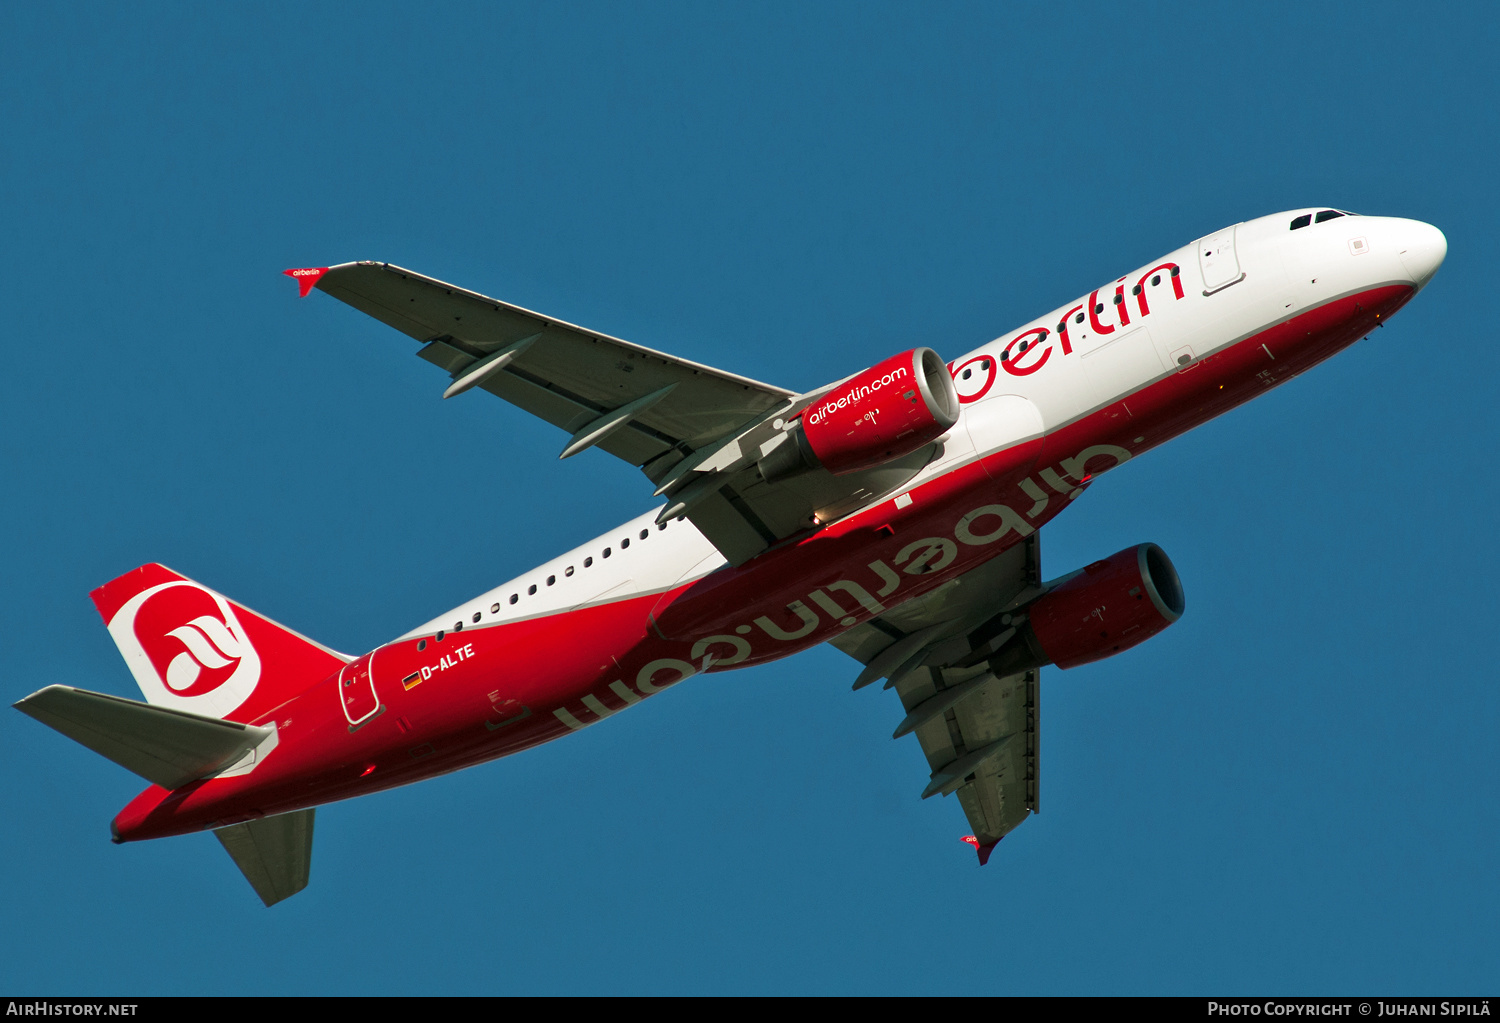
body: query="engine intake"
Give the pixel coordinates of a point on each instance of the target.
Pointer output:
(887, 411)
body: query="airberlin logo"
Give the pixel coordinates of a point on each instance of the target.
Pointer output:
(210, 649)
(856, 393)
(306, 277)
(187, 648)
(1029, 350)
(843, 602)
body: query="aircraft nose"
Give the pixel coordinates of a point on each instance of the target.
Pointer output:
(1423, 249)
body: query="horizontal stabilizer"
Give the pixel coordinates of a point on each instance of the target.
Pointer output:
(167, 747)
(274, 853)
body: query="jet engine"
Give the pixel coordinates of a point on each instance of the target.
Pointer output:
(887, 411)
(1094, 613)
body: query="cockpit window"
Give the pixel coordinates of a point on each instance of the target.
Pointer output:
(1302, 221)
(1328, 215)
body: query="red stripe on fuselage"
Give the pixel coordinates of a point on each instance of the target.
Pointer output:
(1232, 375)
(523, 683)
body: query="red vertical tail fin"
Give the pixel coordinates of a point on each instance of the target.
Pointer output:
(193, 649)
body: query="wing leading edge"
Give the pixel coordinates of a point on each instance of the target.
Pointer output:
(565, 374)
(695, 431)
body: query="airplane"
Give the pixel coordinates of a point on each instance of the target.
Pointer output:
(894, 514)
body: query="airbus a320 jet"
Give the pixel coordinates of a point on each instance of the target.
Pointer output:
(894, 513)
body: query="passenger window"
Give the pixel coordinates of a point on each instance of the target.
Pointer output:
(551, 579)
(606, 552)
(439, 636)
(458, 626)
(645, 533)
(1302, 221)
(1328, 215)
(569, 571)
(476, 617)
(624, 543)
(422, 644)
(531, 590)
(494, 609)
(514, 597)
(587, 562)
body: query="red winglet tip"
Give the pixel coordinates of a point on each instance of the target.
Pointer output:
(306, 277)
(983, 850)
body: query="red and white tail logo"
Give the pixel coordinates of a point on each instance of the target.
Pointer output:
(187, 648)
(192, 649)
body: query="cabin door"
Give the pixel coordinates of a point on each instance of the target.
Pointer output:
(357, 692)
(1219, 261)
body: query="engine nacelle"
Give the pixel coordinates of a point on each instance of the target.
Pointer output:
(1098, 611)
(889, 410)
(1109, 606)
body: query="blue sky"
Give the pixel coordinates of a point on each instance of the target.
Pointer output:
(1292, 790)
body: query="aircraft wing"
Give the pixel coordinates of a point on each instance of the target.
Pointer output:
(567, 375)
(695, 431)
(978, 731)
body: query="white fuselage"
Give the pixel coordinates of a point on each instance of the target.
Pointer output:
(1235, 284)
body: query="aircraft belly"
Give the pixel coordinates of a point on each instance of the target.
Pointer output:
(801, 595)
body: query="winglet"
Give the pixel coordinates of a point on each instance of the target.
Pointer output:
(306, 278)
(983, 850)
